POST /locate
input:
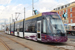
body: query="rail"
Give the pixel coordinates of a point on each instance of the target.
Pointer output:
(17, 42)
(5, 45)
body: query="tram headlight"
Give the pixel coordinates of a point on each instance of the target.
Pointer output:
(55, 35)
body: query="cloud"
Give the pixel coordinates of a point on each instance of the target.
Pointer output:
(2, 7)
(69, 1)
(5, 1)
(45, 5)
(41, 5)
(7, 11)
(48, 5)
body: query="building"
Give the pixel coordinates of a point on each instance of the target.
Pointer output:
(69, 9)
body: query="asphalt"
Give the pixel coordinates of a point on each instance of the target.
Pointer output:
(72, 38)
(2, 47)
(36, 45)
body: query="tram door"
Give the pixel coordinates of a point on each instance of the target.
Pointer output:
(17, 30)
(38, 30)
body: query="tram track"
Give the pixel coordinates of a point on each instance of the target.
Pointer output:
(17, 42)
(46, 44)
(5, 45)
(60, 47)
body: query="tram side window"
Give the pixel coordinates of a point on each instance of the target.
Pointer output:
(15, 27)
(34, 26)
(44, 26)
(30, 27)
(48, 25)
(39, 27)
(21, 29)
(26, 27)
(11, 28)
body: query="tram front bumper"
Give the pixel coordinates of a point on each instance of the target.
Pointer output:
(58, 39)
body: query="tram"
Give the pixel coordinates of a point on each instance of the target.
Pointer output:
(44, 27)
(19, 28)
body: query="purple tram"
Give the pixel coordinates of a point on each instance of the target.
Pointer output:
(44, 27)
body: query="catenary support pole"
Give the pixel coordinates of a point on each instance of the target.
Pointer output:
(32, 7)
(24, 23)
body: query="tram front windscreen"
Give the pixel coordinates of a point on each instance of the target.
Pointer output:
(56, 23)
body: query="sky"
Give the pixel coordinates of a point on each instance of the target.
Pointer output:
(8, 8)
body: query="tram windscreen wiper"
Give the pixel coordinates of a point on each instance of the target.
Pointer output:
(57, 28)
(59, 31)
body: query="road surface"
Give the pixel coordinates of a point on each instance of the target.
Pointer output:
(16, 43)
